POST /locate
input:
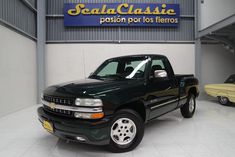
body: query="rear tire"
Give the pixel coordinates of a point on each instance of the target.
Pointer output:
(223, 100)
(189, 108)
(126, 131)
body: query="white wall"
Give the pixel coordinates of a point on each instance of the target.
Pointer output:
(17, 71)
(217, 64)
(67, 62)
(213, 11)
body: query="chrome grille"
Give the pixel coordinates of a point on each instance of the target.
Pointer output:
(58, 100)
(59, 111)
(61, 101)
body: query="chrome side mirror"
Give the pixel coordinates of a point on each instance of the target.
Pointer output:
(160, 74)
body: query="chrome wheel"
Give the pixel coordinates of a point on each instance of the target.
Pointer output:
(123, 131)
(223, 100)
(191, 104)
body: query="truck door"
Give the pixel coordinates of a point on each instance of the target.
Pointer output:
(162, 95)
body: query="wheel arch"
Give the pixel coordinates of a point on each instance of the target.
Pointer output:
(137, 106)
(193, 90)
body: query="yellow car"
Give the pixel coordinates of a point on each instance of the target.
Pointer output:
(224, 92)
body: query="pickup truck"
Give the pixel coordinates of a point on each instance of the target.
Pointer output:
(112, 105)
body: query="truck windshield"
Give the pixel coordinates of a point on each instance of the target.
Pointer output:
(122, 68)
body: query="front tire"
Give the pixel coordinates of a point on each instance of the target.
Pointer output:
(189, 108)
(223, 100)
(126, 132)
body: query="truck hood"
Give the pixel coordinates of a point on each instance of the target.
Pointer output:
(88, 87)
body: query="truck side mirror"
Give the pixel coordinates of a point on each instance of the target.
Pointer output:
(160, 74)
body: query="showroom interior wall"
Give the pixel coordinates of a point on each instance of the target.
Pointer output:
(217, 61)
(213, 11)
(17, 56)
(74, 52)
(67, 62)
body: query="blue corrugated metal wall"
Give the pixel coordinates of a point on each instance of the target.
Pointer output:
(56, 32)
(19, 15)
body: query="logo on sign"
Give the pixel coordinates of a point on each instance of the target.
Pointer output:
(121, 14)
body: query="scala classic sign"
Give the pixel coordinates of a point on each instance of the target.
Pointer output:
(121, 14)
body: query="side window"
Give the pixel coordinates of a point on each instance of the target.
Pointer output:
(134, 64)
(157, 64)
(109, 69)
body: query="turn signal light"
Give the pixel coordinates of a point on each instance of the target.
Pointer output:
(89, 115)
(97, 115)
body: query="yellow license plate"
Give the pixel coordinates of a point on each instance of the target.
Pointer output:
(48, 126)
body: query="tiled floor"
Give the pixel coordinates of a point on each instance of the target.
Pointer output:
(210, 133)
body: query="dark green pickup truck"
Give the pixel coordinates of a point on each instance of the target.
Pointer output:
(113, 104)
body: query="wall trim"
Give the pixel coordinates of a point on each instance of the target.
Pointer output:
(29, 5)
(117, 42)
(216, 26)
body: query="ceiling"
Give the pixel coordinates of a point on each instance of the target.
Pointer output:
(225, 36)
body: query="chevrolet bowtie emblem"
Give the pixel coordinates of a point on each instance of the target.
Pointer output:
(51, 105)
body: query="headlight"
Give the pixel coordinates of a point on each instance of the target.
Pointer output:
(88, 102)
(87, 105)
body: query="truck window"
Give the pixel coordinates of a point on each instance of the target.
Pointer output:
(157, 64)
(122, 68)
(110, 69)
(135, 64)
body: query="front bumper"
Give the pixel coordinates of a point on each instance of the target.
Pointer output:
(93, 131)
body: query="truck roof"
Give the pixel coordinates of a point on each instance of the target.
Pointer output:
(139, 55)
